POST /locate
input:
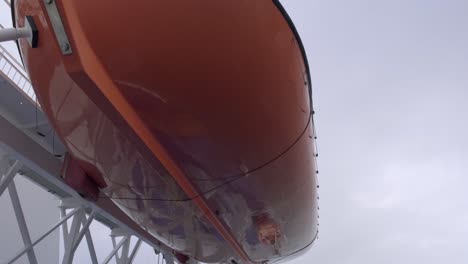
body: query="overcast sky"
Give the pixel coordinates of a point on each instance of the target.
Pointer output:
(390, 82)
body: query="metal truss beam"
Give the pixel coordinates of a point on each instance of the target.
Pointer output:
(8, 177)
(73, 234)
(9, 183)
(79, 229)
(39, 239)
(126, 257)
(21, 222)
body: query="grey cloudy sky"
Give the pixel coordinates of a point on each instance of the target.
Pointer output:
(390, 82)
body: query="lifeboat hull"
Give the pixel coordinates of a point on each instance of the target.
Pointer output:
(194, 117)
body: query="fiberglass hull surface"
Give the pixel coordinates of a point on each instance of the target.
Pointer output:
(219, 88)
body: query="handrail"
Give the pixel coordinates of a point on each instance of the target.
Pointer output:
(16, 77)
(12, 70)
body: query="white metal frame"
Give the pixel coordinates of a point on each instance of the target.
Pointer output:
(9, 183)
(79, 228)
(81, 215)
(126, 255)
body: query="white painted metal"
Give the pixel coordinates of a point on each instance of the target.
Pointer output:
(92, 250)
(8, 177)
(9, 34)
(9, 54)
(124, 240)
(131, 258)
(79, 228)
(126, 257)
(21, 222)
(60, 223)
(73, 237)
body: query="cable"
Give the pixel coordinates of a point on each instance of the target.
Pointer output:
(231, 179)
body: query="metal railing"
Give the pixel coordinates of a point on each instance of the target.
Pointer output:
(14, 72)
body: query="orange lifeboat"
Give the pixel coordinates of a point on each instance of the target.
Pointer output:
(194, 117)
